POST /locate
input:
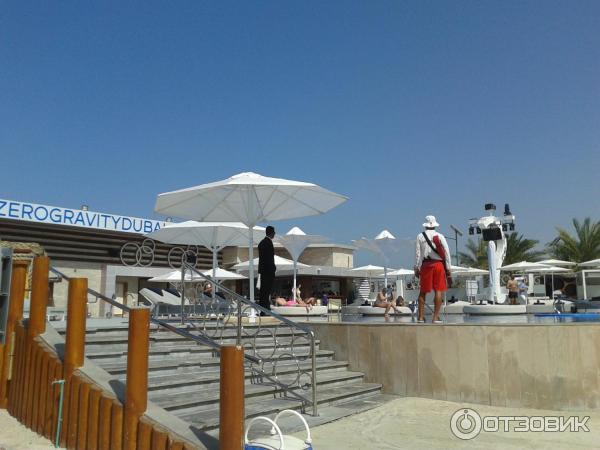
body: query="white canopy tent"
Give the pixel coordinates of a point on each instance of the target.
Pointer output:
(249, 198)
(384, 245)
(591, 263)
(522, 266)
(295, 241)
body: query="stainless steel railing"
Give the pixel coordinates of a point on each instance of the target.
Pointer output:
(215, 323)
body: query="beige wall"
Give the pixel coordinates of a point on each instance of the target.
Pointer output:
(534, 366)
(319, 256)
(92, 271)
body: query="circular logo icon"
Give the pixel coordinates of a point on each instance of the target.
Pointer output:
(465, 424)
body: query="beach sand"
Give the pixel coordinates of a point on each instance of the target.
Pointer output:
(417, 423)
(14, 436)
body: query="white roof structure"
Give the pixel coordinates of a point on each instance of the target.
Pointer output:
(467, 271)
(174, 276)
(401, 273)
(222, 274)
(384, 245)
(548, 269)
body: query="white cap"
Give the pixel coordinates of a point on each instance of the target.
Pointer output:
(430, 222)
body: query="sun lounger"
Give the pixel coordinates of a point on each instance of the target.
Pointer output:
(157, 297)
(299, 310)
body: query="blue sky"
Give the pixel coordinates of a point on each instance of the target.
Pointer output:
(408, 108)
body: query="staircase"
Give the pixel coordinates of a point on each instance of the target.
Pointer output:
(184, 376)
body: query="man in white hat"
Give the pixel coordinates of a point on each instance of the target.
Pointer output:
(432, 266)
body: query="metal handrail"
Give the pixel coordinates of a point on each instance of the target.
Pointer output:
(243, 300)
(197, 338)
(203, 340)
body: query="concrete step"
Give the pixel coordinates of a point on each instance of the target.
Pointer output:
(184, 349)
(205, 378)
(116, 367)
(207, 419)
(191, 398)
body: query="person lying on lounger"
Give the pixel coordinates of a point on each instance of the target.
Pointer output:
(383, 302)
(308, 303)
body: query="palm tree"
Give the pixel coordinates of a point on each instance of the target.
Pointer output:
(476, 255)
(583, 246)
(518, 248)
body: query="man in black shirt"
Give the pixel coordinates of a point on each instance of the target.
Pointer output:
(266, 267)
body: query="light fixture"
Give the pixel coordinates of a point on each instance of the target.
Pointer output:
(85, 207)
(169, 219)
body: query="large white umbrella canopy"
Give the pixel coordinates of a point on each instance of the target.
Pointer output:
(295, 241)
(557, 262)
(371, 270)
(384, 245)
(213, 235)
(280, 264)
(249, 198)
(222, 274)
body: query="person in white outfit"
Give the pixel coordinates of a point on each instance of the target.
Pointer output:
(432, 266)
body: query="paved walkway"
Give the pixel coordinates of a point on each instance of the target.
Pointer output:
(416, 423)
(14, 436)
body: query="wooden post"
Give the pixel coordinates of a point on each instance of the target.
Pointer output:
(39, 296)
(136, 391)
(231, 431)
(15, 313)
(74, 344)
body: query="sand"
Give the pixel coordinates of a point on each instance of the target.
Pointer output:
(416, 423)
(14, 436)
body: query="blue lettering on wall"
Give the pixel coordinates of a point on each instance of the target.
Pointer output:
(147, 226)
(40, 213)
(55, 215)
(128, 226)
(79, 218)
(68, 216)
(2, 205)
(26, 211)
(13, 210)
(88, 221)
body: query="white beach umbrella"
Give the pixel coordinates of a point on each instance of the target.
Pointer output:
(251, 199)
(384, 245)
(371, 270)
(174, 276)
(295, 241)
(222, 274)
(467, 271)
(213, 235)
(280, 264)
(591, 263)
(522, 266)
(557, 262)
(551, 270)
(401, 273)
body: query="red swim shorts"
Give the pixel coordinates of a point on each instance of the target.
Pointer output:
(433, 276)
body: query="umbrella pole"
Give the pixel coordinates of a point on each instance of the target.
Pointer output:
(214, 252)
(294, 291)
(182, 291)
(385, 276)
(252, 314)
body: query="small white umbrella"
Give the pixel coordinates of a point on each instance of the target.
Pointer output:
(551, 270)
(384, 245)
(522, 266)
(467, 271)
(174, 276)
(400, 273)
(222, 274)
(280, 264)
(371, 271)
(295, 241)
(249, 198)
(213, 235)
(591, 263)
